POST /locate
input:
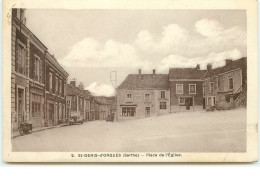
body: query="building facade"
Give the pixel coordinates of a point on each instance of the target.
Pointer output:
(55, 101)
(225, 87)
(186, 88)
(143, 95)
(27, 83)
(75, 99)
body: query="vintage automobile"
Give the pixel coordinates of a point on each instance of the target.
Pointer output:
(75, 118)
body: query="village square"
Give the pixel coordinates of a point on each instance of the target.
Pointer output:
(184, 109)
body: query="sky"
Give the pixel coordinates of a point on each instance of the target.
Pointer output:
(90, 44)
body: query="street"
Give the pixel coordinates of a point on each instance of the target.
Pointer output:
(220, 131)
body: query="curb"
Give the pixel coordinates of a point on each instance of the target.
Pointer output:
(41, 129)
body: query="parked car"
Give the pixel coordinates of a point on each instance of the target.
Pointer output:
(75, 118)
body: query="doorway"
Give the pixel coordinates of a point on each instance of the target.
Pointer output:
(147, 111)
(188, 102)
(204, 103)
(21, 105)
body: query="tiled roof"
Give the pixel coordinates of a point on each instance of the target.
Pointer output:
(186, 73)
(239, 63)
(145, 81)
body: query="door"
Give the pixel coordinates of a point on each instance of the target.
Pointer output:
(20, 105)
(188, 102)
(51, 113)
(204, 103)
(147, 112)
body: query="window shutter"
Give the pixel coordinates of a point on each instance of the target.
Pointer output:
(16, 56)
(40, 71)
(27, 62)
(34, 67)
(47, 79)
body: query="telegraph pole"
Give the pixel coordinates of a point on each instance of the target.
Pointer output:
(114, 83)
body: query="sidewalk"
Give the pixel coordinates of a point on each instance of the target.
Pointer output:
(17, 134)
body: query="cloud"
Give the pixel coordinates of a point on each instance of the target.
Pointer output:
(98, 89)
(208, 27)
(216, 59)
(208, 35)
(90, 53)
(208, 41)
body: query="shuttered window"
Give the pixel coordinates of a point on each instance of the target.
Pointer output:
(21, 64)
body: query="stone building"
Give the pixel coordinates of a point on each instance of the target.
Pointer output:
(143, 95)
(75, 99)
(104, 107)
(186, 88)
(225, 87)
(31, 65)
(27, 81)
(55, 101)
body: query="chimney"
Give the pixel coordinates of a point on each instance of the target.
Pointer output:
(81, 86)
(198, 67)
(209, 67)
(73, 83)
(139, 71)
(153, 71)
(228, 61)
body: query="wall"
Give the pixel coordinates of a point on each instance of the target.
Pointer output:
(197, 98)
(221, 87)
(18, 80)
(138, 100)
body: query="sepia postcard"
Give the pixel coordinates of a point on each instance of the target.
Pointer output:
(130, 81)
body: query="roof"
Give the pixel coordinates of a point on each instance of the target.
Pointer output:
(186, 73)
(239, 63)
(145, 81)
(72, 90)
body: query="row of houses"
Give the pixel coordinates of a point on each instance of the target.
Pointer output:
(39, 89)
(183, 89)
(88, 106)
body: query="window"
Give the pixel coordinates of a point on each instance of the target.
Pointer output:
(209, 100)
(203, 88)
(162, 94)
(179, 88)
(129, 96)
(162, 105)
(181, 101)
(69, 103)
(36, 105)
(36, 109)
(128, 111)
(80, 103)
(37, 69)
(22, 59)
(63, 112)
(60, 88)
(60, 111)
(56, 85)
(147, 96)
(192, 88)
(50, 82)
(63, 90)
(211, 87)
(230, 83)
